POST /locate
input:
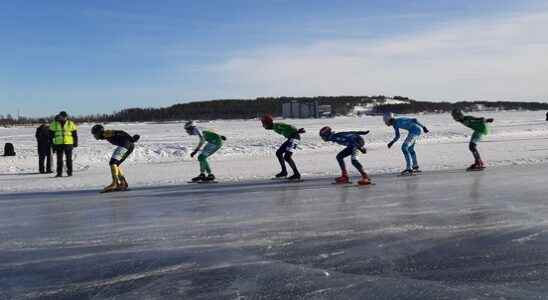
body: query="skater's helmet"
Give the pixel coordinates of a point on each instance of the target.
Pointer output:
(189, 126)
(267, 121)
(387, 117)
(457, 114)
(325, 133)
(97, 131)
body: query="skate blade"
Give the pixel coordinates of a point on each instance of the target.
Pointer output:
(203, 182)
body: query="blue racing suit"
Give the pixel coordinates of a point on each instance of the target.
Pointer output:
(353, 142)
(408, 146)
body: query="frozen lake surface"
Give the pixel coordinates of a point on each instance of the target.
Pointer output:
(440, 235)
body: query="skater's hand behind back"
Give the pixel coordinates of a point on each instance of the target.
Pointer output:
(425, 130)
(301, 131)
(490, 120)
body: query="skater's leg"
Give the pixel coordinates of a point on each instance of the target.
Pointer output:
(209, 149)
(476, 138)
(280, 155)
(340, 159)
(288, 156)
(413, 156)
(356, 163)
(407, 148)
(406, 155)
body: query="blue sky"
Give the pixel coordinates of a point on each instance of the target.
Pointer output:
(101, 56)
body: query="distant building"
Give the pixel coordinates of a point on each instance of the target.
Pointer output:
(305, 109)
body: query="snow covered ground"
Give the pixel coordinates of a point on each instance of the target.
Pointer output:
(162, 155)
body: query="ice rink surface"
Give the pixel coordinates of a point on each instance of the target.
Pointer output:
(440, 235)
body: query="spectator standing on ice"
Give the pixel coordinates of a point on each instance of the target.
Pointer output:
(44, 147)
(408, 147)
(354, 143)
(64, 137)
(479, 125)
(125, 144)
(285, 151)
(211, 142)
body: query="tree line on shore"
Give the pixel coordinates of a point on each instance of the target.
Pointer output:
(247, 109)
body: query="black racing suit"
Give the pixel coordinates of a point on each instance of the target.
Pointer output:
(44, 148)
(121, 139)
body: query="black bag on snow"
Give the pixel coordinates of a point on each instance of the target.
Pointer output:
(9, 150)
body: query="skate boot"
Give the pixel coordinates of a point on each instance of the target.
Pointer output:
(282, 174)
(210, 177)
(111, 188)
(343, 179)
(477, 166)
(295, 176)
(200, 177)
(416, 169)
(365, 180)
(406, 172)
(123, 184)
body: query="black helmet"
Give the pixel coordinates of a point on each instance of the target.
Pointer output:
(97, 131)
(457, 114)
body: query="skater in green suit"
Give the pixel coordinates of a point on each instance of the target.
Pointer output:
(211, 142)
(479, 125)
(285, 151)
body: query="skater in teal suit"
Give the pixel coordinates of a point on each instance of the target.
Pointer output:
(408, 147)
(211, 142)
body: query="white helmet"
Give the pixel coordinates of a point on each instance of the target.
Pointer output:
(387, 117)
(189, 125)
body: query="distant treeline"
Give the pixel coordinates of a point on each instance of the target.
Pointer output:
(246, 109)
(413, 106)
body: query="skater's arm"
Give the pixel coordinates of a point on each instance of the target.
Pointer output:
(200, 144)
(360, 132)
(422, 126)
(396, 138)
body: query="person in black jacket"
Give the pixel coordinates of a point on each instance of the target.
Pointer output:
(44, 147)
(125, 145)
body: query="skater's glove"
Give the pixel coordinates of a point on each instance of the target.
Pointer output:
(193, 153)
(363, 150)
(223, 137)
(75, 145)
(301, 131)
(390, 145)
(426, 130)
(490, 120)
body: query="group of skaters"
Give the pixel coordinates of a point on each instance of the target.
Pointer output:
(353, 141)
(62, 137)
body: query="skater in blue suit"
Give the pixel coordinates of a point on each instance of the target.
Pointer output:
(354, 143)
(408, 147)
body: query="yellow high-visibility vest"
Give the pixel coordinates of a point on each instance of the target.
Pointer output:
(62, 135)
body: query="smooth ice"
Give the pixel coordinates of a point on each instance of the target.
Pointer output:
(440, 235)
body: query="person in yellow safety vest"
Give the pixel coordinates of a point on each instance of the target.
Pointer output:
(64, 138)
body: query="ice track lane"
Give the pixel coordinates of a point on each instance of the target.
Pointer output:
(441, 235)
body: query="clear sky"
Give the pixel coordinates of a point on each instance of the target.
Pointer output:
(100, 56)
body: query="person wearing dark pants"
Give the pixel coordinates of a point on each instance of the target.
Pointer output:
(44, 147)
(64, 137)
